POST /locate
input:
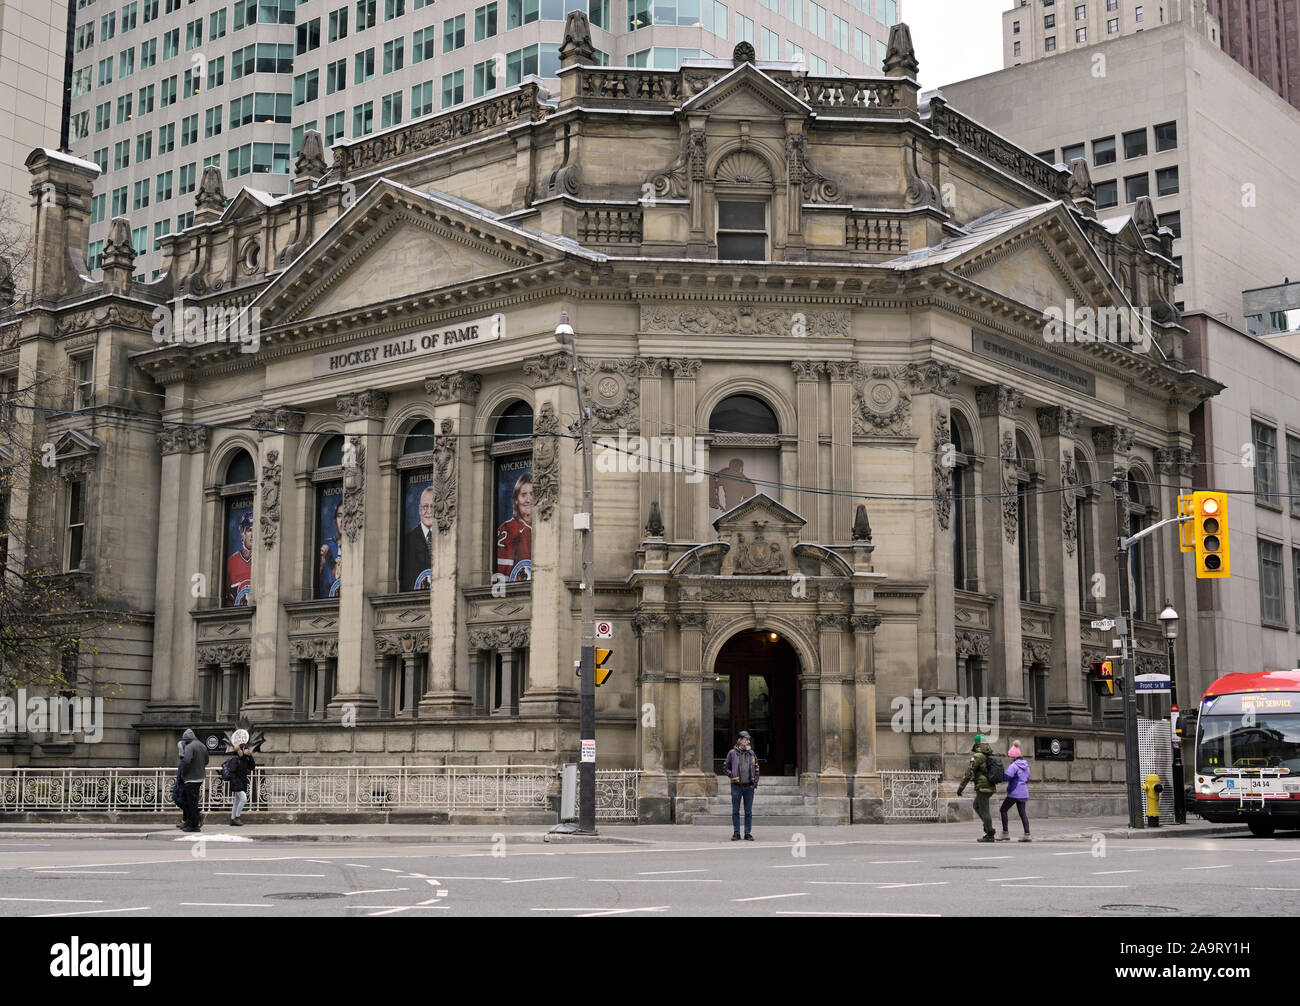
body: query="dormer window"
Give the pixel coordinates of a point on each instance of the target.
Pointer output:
(742, 229)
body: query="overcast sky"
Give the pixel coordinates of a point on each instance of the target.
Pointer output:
(955, 39)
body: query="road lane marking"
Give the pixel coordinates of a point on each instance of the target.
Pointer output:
(60, 901)
(97, 911)
(1071, 887)
(439, 876)
(795, 866)
(771, 897)
(931, 883)
(892, 862)
(268, 874)
(377, 890)
(1085, 852)
(653, 873)
(534, 880)
(974, 858)
(656, 880)
(1107, 873)
(622, 911)
(1225, 866)
(907, 915)
(220, 904)
(97, 873)
(363, 866)
(1275, 888)
(1293, 860)
(1003, 880)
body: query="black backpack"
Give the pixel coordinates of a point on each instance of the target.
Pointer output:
(994, 769)
(225, 769)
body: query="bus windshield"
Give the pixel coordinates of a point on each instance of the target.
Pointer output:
(1263, 741)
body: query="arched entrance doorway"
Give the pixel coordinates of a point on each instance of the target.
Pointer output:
(757, 689)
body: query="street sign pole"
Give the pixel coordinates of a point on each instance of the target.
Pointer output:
(1132, 767)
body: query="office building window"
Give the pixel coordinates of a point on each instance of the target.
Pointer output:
(1049, 21)
(333, 128)
(1136, 186)
(1112, 26)
(1015, 48)
(1166, 181)
(363, 67)
(1135, 143)
(1107, 194)
(1265, 441)
(394, 55)
(1166, 136)
(338, 24)
(453, 88)
(390, 110)
(1137, 14)
(1072, 153)
(485, 22)
(422, 99)
(1049, 43)
(1080, 35)
(365, 18)
(1272, 607)
(742, 230)
(363, 119)
(75, 537)
(1103, 151)
(1174, 221)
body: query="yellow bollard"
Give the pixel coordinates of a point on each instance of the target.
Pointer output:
(1153, 788)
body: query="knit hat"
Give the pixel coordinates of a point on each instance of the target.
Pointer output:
(1014, 752)
(979, 739)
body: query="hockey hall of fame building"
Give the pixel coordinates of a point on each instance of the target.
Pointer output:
(794, 296)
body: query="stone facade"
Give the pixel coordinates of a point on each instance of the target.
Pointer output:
(880, 367)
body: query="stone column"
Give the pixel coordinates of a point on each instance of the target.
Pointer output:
(229, 690)
(554, 636)
(1112, 444)
(866, 779)
(652, 784)
(322, 669)
(807, 375)
(362, 544)
(832, 784)
(301, 668)
(693, 777)
(688, 494)
(173, 686)
(658, 485)
(1058, 427)
(411, 683)
(998, 405)
(275, 569)
(1176, 465)
(454, 397)
(842, 377)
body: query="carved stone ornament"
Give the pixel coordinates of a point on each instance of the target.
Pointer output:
(998, 400)
(270, 487)
(942, 470)
(746, 590)
(211, 194)
(743, 53)
(510, 636)
(1036, 651)
(277, 420)
(920, 191)
(363, 405)
(1069, 504)
(759, 554)
(648, 621)
(1112, 439)
(224, 655)
(444, 476)
(449, 389)
(549, 368)
(1010, 488)
(816, 187)
(183, 439)
(401, 644)
(882, 405)
(320, 648)
(674, 181)
(972, 644)
(77, 466)
(654, 526)
(1058, 421)
(576, 44)
(685, 370)
(744, 320)
(612, 393)
(695, 620)
(112, 316)
(352, 509)
(864, 623)
(807, 370)
(546, 461)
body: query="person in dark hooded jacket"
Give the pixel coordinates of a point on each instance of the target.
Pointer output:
(194, 769)
(978, 773)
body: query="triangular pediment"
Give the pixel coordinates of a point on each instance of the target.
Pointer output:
(746, 91)
(760, 535)
(396, 243)
(759, 507)
(74, 443)
(248, 204)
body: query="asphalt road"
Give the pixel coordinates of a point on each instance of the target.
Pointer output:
(1189, 876)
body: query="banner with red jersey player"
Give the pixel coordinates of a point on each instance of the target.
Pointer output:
(514, 518)
(237, 585)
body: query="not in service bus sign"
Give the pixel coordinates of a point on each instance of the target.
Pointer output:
(405, 347)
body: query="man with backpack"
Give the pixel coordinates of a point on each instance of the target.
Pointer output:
(235, 770)
(985, 771)
(194, 767)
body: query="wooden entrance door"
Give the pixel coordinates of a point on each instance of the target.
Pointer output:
(757, 690)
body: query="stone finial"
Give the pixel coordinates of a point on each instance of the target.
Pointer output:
(118, 261)
(861, 526)
(654, 527)
(743, 53)
(577, 48)
(1144, 217)
(900, 59)
(210, 200)
(310, 163)
(1082, 192)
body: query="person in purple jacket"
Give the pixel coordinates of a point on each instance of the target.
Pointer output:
(741, 766)
(1017, 777)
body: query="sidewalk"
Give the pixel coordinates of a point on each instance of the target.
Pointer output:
(1079, 829)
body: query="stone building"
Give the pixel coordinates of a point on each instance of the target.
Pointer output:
(862, 468)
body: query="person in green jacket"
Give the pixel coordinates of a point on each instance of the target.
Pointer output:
(977, 773)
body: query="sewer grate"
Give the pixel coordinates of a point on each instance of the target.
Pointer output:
(304, 895)
(1140, 909)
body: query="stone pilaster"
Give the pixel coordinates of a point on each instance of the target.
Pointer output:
(275, 565)
(687, 495)
(652, 784)
(361, 523)
(832, 784)
(454, 398)
(655, 422)
(998, 405)
(1113, 445)
(807, 378)
(693, 777)
(842, 375)
(866, 779)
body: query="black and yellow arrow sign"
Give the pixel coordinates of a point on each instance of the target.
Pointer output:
(602, 672)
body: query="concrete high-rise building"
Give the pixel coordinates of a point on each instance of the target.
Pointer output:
(33, 78)
(1261, 35)
(165, 87)
(1170, 116)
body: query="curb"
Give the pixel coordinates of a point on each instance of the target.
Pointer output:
(1168, 831)
(515, 838)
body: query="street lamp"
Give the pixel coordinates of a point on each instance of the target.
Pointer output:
(1169, 622)
(582, 522)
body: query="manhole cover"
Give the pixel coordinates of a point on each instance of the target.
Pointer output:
(1139, 909)
(304, 895)
(968, 867)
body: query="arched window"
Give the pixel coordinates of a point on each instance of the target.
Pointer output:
(742, 190)
(1027, 520)
(327, 572)
(964, 575)
(237, 492)
(416, 466)
(512, 451)
(744, 455)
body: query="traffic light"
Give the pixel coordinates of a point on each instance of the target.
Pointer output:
(1210, 527)
(1103, 678)
(1186, 528)
(602, 672)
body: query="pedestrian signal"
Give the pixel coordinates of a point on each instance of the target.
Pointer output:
(1210, 523)
(1103, 677)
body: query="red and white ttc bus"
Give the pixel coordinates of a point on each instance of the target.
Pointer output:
(1248, 751)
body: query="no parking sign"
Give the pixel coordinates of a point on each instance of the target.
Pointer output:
(604, 630)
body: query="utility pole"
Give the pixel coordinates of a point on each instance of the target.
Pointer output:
(1132, 764)
(582, 522)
